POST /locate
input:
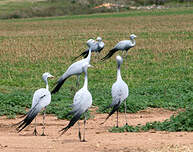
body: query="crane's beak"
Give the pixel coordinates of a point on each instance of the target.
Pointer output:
(51, 76)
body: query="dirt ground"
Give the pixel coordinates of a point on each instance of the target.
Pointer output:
(97, 136)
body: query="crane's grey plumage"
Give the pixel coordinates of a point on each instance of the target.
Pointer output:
(99, 46)
(81, 103)
(119, 92)
(41, 99)
(75, 68)
(124, 45)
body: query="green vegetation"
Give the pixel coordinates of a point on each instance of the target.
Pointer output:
(158, 70)
(181, 122)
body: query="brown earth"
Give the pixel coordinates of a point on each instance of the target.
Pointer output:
(97, 136)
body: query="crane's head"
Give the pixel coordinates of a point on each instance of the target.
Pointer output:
(90, 42)
(47, 75)
(119, 59)
(132, 36)
(99, 38)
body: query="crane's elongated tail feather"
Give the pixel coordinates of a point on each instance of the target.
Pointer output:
(69, 113)
(58, 86)
(17, 123)
(84, 54)
(107, 107)
(74, 119)
(21, 120)
(100, 49)
(111, 52)
(22, 117)
(28, 119)
(115, 108)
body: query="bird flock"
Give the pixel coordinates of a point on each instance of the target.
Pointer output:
(83, 99)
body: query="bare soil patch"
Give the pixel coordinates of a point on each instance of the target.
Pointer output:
(97, 136)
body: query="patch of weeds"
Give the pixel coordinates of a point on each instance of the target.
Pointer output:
(181, 122)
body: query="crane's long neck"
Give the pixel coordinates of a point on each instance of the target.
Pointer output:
(85, 80)
(119, 72)
(46, 82)
(89, 55)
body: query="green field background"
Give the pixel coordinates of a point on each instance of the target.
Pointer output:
(158, 70)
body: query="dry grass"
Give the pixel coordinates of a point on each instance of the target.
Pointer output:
(50, 39)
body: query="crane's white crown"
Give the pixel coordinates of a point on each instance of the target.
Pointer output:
(99, 38)
(47, 75)
(119, 59)
(133, 36)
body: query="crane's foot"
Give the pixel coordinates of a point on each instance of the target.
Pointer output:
(79, 135)
(43, 134)
(35, 133)
(83, 140)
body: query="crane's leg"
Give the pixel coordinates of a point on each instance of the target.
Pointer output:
(77, 82)
(123, 53)
(126, 112)
(117, 118)
(79, 133)
(98, 57)
(44, 116)
(35, 130)
(126, 54)
(84, 127)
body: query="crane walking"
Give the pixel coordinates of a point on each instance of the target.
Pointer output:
(119, 93)
(124, 45)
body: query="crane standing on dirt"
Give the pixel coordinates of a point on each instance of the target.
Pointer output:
(119, 93)
(81, 103)
(41, 99)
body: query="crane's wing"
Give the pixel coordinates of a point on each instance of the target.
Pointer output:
(30, 115)
(39, 94)
(111, 52)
